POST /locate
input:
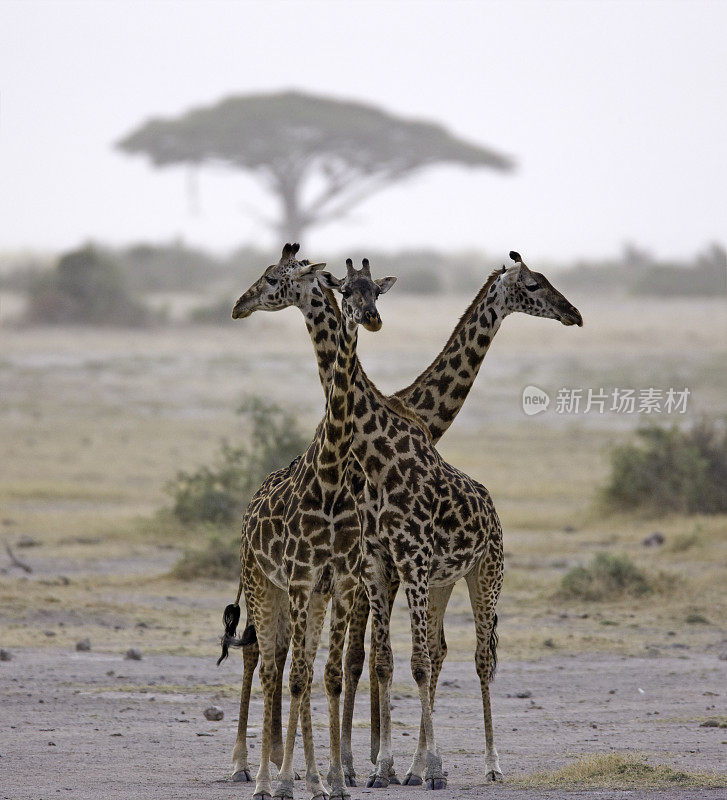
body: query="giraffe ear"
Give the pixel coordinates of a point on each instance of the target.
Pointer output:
(328, 281)
(306, 269)
(287, 250)
(510, 275)
(385, 284)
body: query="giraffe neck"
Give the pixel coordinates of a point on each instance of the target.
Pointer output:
(322, 321)
(337, 429)
(438, 394)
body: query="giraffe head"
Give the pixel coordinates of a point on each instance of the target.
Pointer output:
(531, 292)
(359, 293)
(281, 285)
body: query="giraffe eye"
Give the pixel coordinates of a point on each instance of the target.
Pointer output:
(532, 287)
(272, 281)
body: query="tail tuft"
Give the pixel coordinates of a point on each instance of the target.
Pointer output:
(230, 619)
(493, 649)
(249, 636)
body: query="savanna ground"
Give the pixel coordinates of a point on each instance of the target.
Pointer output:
(94, 423)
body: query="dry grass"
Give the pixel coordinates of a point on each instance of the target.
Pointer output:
(619, 771)
(94, 424)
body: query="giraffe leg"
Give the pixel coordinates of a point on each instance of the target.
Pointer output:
(382, 661)
(355, 655)
(343, 600)
(266, 617)
(484, 592)
(438, 600)
(281, 654)
(421, 669)
(240, 768)
(316, 615)
(305, 608)
(374, 695)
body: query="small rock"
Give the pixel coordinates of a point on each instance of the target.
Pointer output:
(568, 529)
(214, 713)
(523, 695)
(548, 643)
(27, 541)
(6, 655)
(49, 633)
(710, 723)
(83, 644)
(563, 615)
(133, 654)
(655, 539)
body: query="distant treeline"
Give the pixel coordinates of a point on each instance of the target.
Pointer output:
(98, 285)
(637, 272)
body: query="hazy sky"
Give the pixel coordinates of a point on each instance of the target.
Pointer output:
(615, 112)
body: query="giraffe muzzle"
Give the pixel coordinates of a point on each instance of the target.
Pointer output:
(241, 309)
(572, 316)
(372, 321)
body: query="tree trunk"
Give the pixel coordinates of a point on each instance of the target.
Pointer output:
(292, 223)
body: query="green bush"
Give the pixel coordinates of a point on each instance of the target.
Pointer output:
(86, 287)
(218, 559)
(670, 469)
(607, 577)
(219, 493)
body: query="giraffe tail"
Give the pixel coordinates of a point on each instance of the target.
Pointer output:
(230, 619)
(493, 649)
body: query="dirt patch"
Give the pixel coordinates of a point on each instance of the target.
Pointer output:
(89, 725)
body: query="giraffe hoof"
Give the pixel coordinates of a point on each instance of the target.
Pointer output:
(436, 783)
(262, 796)
(284, 791)
(350, 780)
(412, 780)
(494, 775)
(393, 779)
(377, 782)
(242, 776)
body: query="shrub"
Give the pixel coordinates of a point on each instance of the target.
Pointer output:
(218, 494)
(606, 577)
(670, 469)
(218, 559)
(86, 287)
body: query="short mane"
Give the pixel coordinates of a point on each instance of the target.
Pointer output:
(458, 327)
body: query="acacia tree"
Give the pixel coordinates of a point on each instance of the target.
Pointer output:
(319, 156)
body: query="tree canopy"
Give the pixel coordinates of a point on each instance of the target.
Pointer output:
(318, 155)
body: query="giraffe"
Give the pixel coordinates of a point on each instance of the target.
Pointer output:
(314, 556)
(436, 396)
(423, 522)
